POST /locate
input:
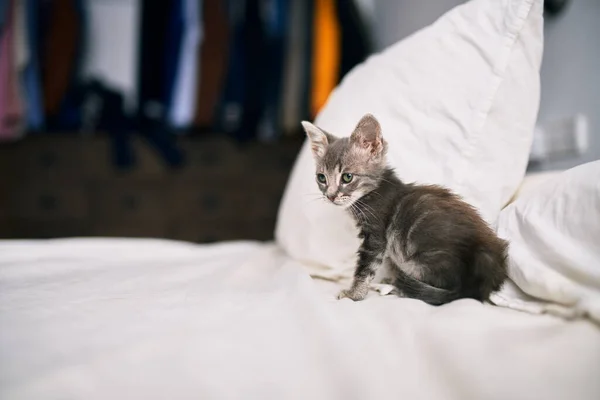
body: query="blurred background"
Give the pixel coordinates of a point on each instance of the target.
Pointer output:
(180, 119)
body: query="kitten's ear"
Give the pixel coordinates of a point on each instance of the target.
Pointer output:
(318, 139)
(367, 136)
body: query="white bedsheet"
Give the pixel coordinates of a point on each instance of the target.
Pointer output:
(149, 319)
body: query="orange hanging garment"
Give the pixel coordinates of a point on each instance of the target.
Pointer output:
(326, 53)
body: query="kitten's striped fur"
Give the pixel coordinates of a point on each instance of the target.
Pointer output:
(436, 246)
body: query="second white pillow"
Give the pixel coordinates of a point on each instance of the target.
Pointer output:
(554, 253)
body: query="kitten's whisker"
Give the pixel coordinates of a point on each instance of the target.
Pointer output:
(362, 213)
(359, 214)
(353, 210)
(312, 200)
(368, 209)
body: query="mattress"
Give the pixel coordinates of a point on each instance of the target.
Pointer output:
(153, 319)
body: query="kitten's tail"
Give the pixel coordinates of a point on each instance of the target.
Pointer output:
(414, 288)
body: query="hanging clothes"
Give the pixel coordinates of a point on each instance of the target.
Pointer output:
(182, 102)
(214, 54)
(4, 7)
(274, 21)
(295, 82)
(68, 117)
(11, 103)
(231, 108)
(307, 65)
(21, 48)
(251, 99)
(60, 47)
(30, 75)
(153, 94)
(356, 43)
(326, 53)
(171, 59)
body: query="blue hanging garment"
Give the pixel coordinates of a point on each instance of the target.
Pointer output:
(305, 112)
(30, 76)
(250, 103)
(172, 51)
(293, 85)
(230, 112)
(3, 13)
(275, 17)
(183, 95)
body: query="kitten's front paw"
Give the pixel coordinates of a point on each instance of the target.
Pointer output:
(342, 294)
(350, 294)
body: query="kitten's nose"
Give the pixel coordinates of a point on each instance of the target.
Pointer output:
(332, 197)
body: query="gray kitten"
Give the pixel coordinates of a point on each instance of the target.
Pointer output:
(436, 247)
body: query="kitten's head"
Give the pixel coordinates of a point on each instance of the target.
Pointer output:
(348, 168)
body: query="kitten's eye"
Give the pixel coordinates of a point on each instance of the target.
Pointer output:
(321, 178)
(347, 178)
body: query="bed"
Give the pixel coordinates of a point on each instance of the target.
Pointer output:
(150, 319)
(155, 319)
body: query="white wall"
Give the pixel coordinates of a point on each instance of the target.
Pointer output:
(396, 19)
(571, 64)
(571, 71)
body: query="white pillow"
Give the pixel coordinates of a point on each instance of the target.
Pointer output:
(457, 102)
(554, 236)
